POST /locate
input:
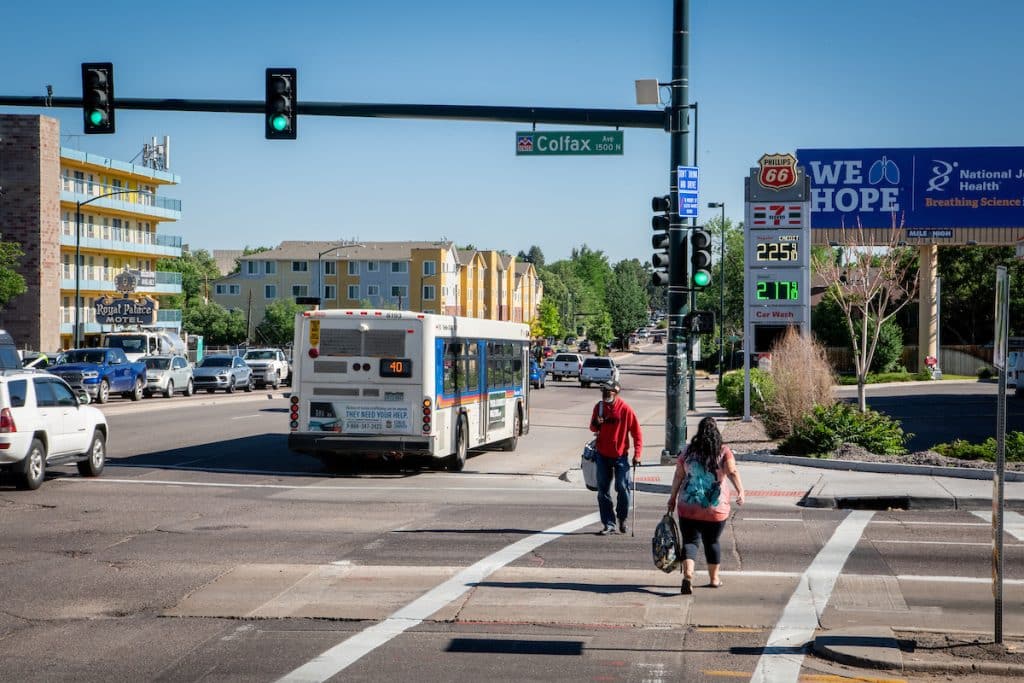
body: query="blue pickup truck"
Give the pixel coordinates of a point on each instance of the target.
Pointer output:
(101, 372)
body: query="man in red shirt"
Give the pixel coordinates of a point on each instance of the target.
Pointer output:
(614, 422)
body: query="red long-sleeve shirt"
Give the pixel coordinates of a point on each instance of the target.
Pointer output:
(620, 422)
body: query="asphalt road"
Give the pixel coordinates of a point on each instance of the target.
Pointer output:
(939, 412)
(207, 552)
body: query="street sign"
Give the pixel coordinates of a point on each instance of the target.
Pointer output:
(568, 142)
(687, 184)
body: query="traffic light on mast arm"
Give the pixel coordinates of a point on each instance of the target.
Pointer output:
(662, 207)
(98, 97)
(700, 258)
(281, 104)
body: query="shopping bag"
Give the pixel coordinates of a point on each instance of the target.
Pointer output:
(666, 546)
(588, 463)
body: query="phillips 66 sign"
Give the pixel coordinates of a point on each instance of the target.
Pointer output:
(777, 171)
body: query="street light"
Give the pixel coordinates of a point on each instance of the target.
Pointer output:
(78, 252)
(721, 294)
(320, 268)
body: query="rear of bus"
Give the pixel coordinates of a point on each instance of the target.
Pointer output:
(358, 385)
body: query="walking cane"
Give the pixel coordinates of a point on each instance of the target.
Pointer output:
(632, 530)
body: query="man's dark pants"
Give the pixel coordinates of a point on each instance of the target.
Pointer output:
(619, 470)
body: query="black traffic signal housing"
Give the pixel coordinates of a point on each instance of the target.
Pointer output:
(98, 97)
(281, 104)
(700, 258)
(700, 322)
(662, 207)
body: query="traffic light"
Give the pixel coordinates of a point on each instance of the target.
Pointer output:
(700, 258)
(700, 322)
(281, 104)
(98, 97)
(662, 206)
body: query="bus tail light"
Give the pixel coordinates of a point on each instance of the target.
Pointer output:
(426, 414)
(314, 352)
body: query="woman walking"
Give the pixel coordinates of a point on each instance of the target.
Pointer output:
(701, 501)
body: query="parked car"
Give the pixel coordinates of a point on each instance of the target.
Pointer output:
(168, 374)
(565, 365)
(585, 346)
(548, 352)
(223, 371)
(269, 366)
(101, 372)
(598, 369)
(538, 375)
(42, 423)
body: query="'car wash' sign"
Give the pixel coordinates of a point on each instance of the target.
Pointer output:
(125, 311)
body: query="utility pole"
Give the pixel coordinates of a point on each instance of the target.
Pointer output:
(678, 343)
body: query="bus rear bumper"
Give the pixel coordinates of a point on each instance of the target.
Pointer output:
(324, 444)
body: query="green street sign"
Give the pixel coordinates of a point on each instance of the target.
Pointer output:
(568, 142)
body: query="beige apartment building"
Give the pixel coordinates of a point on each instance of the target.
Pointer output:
(432, 277)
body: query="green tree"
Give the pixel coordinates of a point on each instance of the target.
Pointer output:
(626, 299)
(278, 325)
(217, 325)
(12, 283)
(198, 270)
(534, 256)
(547, 323)
(731, 268)
(968, 278)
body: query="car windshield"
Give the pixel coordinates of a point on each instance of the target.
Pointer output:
(84, 357)
(260, 355)
(128, 344)
(158, 363)
(215, 363)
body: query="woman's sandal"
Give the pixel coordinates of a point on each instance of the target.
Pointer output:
(687, 587)
(715, 585)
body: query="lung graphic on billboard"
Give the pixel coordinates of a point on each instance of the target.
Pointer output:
(944, 187)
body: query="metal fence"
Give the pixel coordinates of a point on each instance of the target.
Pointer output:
(953, 360)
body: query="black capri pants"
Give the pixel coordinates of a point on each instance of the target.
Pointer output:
(709, 533)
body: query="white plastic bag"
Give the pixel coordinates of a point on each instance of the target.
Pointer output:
(588, 463)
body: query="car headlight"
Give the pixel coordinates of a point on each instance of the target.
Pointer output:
(90, 374)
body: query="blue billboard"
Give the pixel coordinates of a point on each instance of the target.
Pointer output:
(942, 187)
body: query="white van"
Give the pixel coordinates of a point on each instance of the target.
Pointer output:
(146, 343)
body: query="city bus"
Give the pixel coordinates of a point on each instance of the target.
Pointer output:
(401, 384)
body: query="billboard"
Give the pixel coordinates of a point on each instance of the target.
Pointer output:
(936, 188)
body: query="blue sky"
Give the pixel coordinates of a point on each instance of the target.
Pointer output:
(768, 77)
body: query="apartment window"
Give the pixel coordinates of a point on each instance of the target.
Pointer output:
(300, 267)
(227, 289)
(353, 292)
(373, 266)
(399, 290)
(269, 291)
(428, 292)
(252, 267)
(270, 267)
(372, 290)
(399, 266)
(330, 292)
(331, 268)
(300, 290)
(429, 267)
(353, 267)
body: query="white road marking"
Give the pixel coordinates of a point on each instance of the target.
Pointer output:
(1013, 522)
(801, 615)
(892, 521)
(904, 542)
(336, 659)
(246, 417)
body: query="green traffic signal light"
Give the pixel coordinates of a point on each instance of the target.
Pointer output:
(702, 278)
(279, 122)
(96, 117)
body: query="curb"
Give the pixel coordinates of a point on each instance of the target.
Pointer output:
(879, 648)
(879, 467)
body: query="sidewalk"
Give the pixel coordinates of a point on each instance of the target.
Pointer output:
(810, 482)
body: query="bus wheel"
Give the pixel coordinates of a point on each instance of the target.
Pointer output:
(517, 426)
(457, 460)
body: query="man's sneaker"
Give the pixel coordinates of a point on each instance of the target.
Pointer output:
(606, 531)
(622, 525)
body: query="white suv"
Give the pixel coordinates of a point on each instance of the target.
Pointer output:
(42, 423)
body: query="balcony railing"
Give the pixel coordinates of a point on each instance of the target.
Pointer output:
(171, 315)
(121, 234)
(101, 274)
(94, 189)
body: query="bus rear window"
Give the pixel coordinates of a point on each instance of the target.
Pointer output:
(372, 343)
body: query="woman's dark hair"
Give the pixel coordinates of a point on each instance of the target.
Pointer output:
(706, 445)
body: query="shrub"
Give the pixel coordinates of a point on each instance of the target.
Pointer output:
(889, 349)
(803, 379)
(986, 450)
(984, 372)
(828, 427)
(730, 391)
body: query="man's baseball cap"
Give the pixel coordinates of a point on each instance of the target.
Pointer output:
(611, 386)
